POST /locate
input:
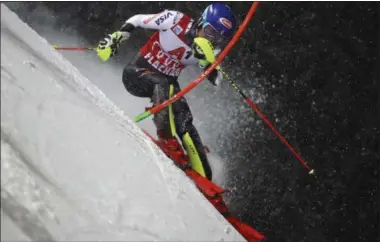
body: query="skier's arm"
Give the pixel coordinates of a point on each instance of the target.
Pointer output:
(160, 21)
(216, 76)
(200, 48)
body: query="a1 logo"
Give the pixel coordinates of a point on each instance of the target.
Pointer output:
(180, 52)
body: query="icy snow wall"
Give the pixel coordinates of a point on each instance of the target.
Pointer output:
(74, 167)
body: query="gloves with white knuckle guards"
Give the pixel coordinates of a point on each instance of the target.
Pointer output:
(215, 77)
(109, 46)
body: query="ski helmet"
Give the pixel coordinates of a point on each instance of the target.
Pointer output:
(218, 22)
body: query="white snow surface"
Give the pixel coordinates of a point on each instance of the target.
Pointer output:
(74, 167)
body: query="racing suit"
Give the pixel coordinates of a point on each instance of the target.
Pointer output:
(157, 67)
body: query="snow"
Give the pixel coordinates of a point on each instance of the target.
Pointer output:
(74, 167)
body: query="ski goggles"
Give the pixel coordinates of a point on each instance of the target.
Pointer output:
(213, 35)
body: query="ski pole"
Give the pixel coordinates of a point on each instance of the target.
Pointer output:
(265, 119)
(73, 48)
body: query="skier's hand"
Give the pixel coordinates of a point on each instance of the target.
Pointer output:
(110, 45)
(215, 76)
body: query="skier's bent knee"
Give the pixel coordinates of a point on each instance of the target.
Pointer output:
(129, 77)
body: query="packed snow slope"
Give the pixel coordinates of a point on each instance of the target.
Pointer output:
(74, 167)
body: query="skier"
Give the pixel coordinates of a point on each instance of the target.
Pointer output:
(169, 50)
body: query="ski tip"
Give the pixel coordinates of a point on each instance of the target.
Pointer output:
(311, 172)
(54, 46)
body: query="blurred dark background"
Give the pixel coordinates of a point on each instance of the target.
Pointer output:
(317, 65)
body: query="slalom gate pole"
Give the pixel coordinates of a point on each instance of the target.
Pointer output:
(267, 122)
(73, 48)
(219, 59)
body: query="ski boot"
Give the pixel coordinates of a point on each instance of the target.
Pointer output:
(173, 149)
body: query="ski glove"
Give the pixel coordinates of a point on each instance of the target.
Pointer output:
(215, 76)
(110, 45)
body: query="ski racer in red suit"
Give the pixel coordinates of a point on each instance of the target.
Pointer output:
(160, 61)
